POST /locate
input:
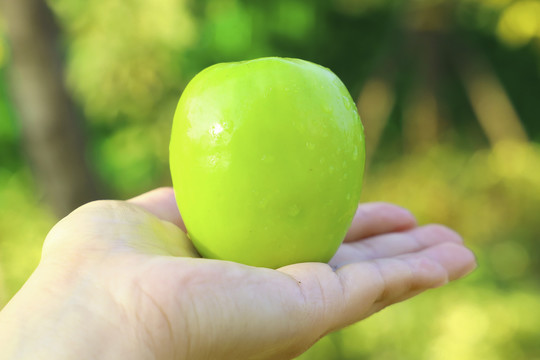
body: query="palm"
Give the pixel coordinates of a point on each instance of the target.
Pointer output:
(188, 307)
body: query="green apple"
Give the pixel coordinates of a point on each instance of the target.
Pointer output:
(267, 159)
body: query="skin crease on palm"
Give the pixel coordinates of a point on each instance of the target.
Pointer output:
(120, 280)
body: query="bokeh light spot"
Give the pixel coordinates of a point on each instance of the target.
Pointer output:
(509, 259)
(519, 23)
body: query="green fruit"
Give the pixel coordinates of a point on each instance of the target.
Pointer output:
(267, 159)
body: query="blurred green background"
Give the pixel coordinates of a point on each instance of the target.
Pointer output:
(449, 93)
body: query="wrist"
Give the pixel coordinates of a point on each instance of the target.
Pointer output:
(49, 318)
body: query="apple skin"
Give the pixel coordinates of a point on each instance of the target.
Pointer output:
(267, 159)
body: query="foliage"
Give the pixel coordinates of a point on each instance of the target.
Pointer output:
(492, 198)
(463, 321)
(24, 222)
(127, 62)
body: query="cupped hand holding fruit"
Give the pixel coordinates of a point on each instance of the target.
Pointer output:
(118, 280)
(265, 182)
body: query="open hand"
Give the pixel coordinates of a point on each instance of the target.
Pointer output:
(120, 280)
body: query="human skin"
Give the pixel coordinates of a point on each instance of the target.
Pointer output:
(120, 280)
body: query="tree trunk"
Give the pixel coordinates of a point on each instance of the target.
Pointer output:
(51, 131)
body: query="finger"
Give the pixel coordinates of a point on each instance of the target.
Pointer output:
(162, 203)
(438, 265)
(393, 244)
(379, 218)
(357, 290)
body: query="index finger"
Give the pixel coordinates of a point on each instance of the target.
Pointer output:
(162, 203)
(379, 218)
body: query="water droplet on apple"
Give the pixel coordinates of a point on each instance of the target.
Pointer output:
(212, 161)
(327, 109)
(263, 202)
(294, 210)
(268, 158)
